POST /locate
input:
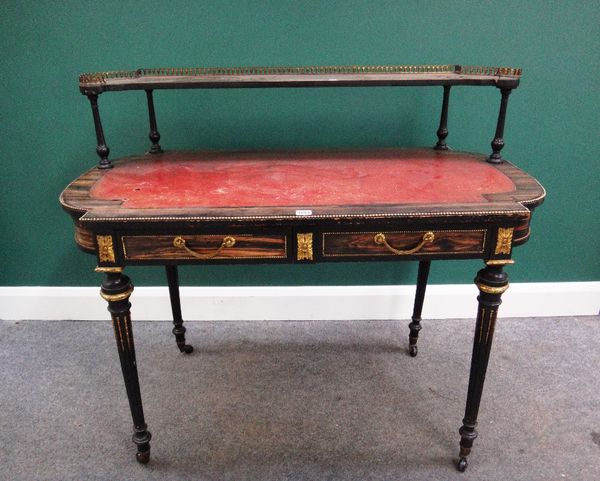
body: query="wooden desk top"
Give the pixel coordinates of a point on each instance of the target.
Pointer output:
(320, 184)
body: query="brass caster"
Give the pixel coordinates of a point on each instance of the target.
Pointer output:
(143, 457)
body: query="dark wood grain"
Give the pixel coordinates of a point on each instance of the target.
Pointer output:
(160, 247)
(84, 238)
(363, 244)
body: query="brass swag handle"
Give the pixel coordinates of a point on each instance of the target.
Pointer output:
(179, 242)
(428, 238)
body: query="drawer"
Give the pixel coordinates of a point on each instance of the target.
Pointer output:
(204, 247)
(403, 243)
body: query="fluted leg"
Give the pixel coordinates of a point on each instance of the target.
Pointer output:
(116, 289)
(415, 325)
(178, 329)
(492, 282)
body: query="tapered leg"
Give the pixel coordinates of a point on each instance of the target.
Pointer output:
(492, 282)
(116, 289)
(415, 325)
(178, 329)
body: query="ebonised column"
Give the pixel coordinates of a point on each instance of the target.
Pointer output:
(442, 131)
(178, 329)
(101, 148)
(154, 136)
(116, 289)
(498, 142)
(492, 282)
(415, 325)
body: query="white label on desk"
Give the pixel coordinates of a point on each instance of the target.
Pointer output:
(304, 212)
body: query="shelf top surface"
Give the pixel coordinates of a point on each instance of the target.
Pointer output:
(319, 76)
(211, 185)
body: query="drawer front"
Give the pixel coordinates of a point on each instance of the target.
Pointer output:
(204, 247)
(403, 243)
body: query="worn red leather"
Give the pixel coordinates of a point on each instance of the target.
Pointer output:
(297, 178)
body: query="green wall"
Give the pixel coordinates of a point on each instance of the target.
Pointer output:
(47, 135)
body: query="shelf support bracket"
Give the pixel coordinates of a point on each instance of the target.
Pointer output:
(154, 136)
(442, 131)
(498, 142)
(101, 149)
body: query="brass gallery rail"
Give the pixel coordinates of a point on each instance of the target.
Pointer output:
(336, 76)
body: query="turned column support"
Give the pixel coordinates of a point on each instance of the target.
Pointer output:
(116, 290)
(101, 149)
(154, 136)
(498, 142)
(442, 131)
(491, 281)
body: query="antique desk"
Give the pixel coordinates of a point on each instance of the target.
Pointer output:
(390, 204)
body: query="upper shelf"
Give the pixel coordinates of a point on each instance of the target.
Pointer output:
(338, 76)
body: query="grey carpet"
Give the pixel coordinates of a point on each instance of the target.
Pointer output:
(300, 401)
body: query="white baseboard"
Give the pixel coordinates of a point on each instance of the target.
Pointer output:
(302, 302)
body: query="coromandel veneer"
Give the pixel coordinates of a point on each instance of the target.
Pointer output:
(302, 206)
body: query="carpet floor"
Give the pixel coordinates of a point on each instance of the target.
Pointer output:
(314, 400)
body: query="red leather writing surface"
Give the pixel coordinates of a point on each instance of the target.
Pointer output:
(303, 178)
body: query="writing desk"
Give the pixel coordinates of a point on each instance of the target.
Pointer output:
(203, 207)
